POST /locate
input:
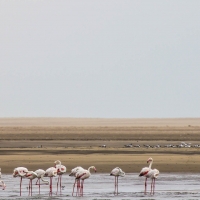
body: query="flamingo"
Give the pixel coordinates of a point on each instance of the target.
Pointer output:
(73, 173)
(21, 172)
(40, 174)
(145, 172)
(61, 169)
(30, 175)
(50, 172)
(153, 175)
(3, 185)
(84, 174)
(117, 172)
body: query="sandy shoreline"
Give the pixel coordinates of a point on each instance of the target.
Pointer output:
(77, 144)
(130, 163)
(166, 160)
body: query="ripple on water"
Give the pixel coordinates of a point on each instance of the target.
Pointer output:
(101, 186)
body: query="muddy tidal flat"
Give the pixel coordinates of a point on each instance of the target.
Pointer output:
(37, 142)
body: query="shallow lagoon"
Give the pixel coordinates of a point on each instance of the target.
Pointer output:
(101, 186)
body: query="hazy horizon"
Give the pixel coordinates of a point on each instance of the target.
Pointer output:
(100, 59)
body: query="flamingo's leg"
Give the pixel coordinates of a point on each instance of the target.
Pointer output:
(82, 187)
(78, 187)
(74, 187)
(57, 184)
(39, 185)
(31, 188)
(117, 184)
(60, 183)
(21, 186)
(145, 190)
(50, 187)
(80, 193)
(154, 185)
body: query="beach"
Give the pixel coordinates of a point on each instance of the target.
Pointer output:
(37, 142)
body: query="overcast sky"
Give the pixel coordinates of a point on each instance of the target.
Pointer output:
(103, 58)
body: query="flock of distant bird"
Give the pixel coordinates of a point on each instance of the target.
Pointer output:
(182, 145)
(80, 175)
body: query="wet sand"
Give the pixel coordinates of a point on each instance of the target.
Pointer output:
(76, 142)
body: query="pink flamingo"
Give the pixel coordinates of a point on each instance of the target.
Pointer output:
(145, 172)
(30, 175)
(73, 173)
(61, 169)
(84, 174)
(3, 185)
(50, 172)
(153, 175)
(117, 172)
(40, 174)
(21, 172)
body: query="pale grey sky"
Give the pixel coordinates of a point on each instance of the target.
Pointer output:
(105, 58)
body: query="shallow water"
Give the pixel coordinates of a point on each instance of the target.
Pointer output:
(101, 186)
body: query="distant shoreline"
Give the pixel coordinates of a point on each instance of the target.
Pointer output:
(100, 122)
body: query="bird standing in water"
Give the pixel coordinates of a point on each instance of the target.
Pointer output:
(82, 175)
(153, 174)
(117, 172)
(40, 175)
(74, 171)
(50, 172)
(61, 169)
(20, 172)
(30, 175)
(149, 173)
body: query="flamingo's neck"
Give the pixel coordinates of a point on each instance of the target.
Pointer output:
(58, 162)
(150, 164)
(121, 173)
(90, 168)
(45, 181)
